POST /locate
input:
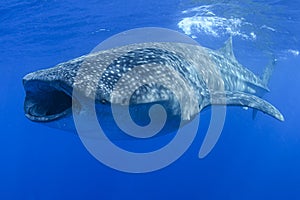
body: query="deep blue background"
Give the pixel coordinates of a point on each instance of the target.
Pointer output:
(254, 159)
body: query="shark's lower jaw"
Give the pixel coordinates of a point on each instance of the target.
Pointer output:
(46, 101)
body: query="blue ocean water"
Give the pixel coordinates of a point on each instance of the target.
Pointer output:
(253, 159)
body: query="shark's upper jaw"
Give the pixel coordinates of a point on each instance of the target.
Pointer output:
(46, 101)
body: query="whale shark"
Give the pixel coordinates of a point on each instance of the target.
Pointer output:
(214, 77)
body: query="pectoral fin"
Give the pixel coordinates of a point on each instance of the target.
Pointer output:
(245, 99)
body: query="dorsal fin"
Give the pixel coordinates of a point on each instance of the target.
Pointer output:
(227, 49)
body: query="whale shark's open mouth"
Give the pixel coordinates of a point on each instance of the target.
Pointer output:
(46, 101)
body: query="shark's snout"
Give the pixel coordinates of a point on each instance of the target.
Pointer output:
(46, 101)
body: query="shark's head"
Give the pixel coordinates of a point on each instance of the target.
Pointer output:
(46, 101)
(49, 92)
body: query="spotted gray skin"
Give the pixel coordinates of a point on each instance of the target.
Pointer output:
(214, 76)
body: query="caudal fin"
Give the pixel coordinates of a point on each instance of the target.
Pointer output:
(268, 71)
(266, 78)
(246, 100)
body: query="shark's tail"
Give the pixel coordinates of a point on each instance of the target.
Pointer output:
(269, 71)
(266, 77)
